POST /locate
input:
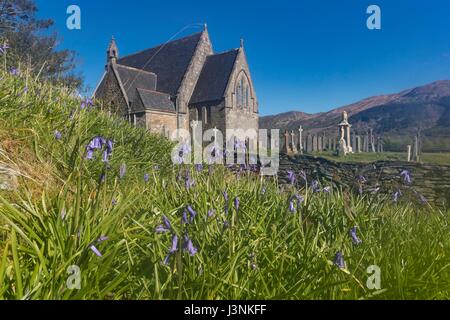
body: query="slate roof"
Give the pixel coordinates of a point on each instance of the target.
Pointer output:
(214, 77)
(158, 101)
(132, 79)
(169, 61)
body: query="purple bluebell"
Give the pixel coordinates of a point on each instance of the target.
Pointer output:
(57, 135)
(327, 189)
(406, 175)
(291, 177)
(211, 213)
(95, 250)
(354, 236)
(161, 229)
(291, 207)
(114, 202)
(199, 167)
(315, 186)
(184, 218)
(192, 213)
(339, 260)
(362, 179)
(397, 194)
(189, 246)
(174, 247)
(236, 204)
(14, 72)
(146, 177)
(300, 199)
(3, 48)
(122, 170)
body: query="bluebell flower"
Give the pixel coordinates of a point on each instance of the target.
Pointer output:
(3, 48)
(14, 72)
(291, 206)
(406, 175)
(339, 260)
(192, 213)
(199, 167)
(184, 218)
(397, 194)
(189, 246)
(291, 177)
(174, 247)
(236, 204)
(354, 237)
(57, 135)
(315, 186)
(211, 213)
(327, 189)
(146, 177)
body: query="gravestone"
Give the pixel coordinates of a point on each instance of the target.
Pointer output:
(358, 144)
(319, 144)
(300, 140)
(408, 152)
(287, 147)
(315, 146)
(309, 145)
(293, 142)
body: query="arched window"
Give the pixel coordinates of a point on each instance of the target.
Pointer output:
(243, 93)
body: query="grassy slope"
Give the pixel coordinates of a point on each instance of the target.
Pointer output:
(259, 251)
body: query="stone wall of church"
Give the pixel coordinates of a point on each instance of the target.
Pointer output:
(239, 117)
(161, 122)
(110, 94)
(204, 49)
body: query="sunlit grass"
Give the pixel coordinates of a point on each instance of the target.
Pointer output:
(260, 251)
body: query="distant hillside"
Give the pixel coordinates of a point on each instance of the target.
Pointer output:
(397, 117)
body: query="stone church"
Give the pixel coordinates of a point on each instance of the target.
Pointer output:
(173, 84)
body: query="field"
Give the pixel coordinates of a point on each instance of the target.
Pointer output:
(428, 158)
(119, 221)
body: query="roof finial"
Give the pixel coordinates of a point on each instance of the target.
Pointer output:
(242, 42)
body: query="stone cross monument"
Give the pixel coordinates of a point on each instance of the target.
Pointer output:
(300, 139)
(345, 146)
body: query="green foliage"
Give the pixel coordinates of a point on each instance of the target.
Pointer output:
(31, 46)
(260, 251)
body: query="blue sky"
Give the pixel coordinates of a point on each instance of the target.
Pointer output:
(304, 55)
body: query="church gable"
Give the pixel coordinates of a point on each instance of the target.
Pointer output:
(214, 78)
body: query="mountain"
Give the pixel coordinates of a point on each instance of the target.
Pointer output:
(396, 117)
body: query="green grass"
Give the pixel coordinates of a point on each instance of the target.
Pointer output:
(261, 251)
(428, 158)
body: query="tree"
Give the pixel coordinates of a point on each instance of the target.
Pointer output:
(31, 46)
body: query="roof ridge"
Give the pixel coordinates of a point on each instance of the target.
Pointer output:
(136, 69)
(162, 44)
(224, 52)
(153, 91)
